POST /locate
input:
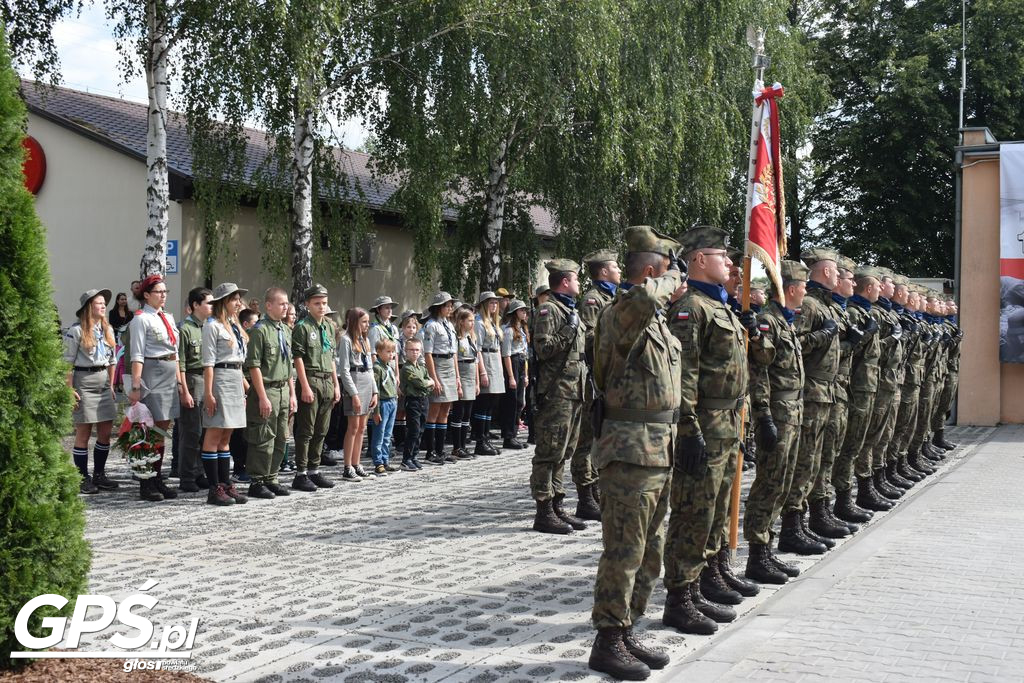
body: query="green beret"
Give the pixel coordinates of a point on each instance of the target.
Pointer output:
(704, 237)
(793, 271)
(847, 264)
(601, 256)
(314, 291)
(812, 256)
(645, 238)
(901, 280)
(562, 265)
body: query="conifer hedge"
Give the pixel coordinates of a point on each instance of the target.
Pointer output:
(42, 520)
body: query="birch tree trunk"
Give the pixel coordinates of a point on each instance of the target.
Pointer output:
(154, 255)
(496, 193)
(302, 204)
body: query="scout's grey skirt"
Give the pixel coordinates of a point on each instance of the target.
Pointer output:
(161, 378)
(227, 390)
(467, 375)
(495, 373)
(364, 389)
(445, 369)
(97, 403)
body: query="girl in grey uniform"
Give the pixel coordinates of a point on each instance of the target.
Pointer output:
(89, 349)
(515, 345)
(492, 382)
(223, 352)
(439, 353)
(470, 363)
(358, 390)
(153, 354)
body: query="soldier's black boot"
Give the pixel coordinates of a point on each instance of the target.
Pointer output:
(714, 586)
(920, 463)
(868, 498)
(906, 471)
(835, 521)
(712, 610)
(586, 506)
(823, 523)
(574, 522)
(655, 659)
(805, 529)
(164, 490)
(148, 492)
(931, 453)
(482, 446)
(791, 540)
(787, 568)
(883, 487)
(760, 568)
(939, 440)
(747, 589)
(895, 478)
(846, 511)
(681, 614)
(609, 655)
(547, 522)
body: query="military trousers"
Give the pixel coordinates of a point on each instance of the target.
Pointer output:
(808, 459)
(853, 457)
(266, 435)
(772, 479)
(906, 419)
(312, 421)
(190, 422)
(883, 420)
(581, 465)
(558, 427)
(696, 502)
(719, 535)
(634, 502)
(944, 402)
(925, 404)
(831, 445)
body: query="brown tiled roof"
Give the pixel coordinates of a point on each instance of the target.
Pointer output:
(122, 124)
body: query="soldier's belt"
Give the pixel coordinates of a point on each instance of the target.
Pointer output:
(274, 383)
(721, 403)
(636, 415)
(823, 376)
(794, 395)
(318, 373)
(194, 371)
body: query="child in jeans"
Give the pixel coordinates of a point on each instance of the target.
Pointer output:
(416, 387)
(387, 406)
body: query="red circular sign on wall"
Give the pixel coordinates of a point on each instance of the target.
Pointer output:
(34, 167)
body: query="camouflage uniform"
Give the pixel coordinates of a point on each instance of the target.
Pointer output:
(714, 386)
(914, 349)
(933, 359)
(951, 369)
(561, 374)
(637, 371)
(890, 377)
(776, 389)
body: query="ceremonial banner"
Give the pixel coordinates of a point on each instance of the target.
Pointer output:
(1011, 253)
(766, 211)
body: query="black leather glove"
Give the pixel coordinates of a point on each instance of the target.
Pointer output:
(897, 331)
(691, 454)
(871, 327)
(749, 321)
(830, 327)
(676, 262)
(854, 334)
(767, 433)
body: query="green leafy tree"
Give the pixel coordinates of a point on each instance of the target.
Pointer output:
(42, 523)
(30, 32)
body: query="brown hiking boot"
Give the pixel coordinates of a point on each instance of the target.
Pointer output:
(217, 496)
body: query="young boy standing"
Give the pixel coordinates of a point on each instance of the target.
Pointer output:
(313, 349)
(416, 387)
(271, 395)
(190, 360)
(387, 405)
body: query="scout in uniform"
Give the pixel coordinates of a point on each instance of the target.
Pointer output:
(636, 371)
(313, 351)
(89, 350)
(271, 395)
(714, 388)
(417, 387)
(439, 349)
(489, 337)
(558, 343)
(603, 268)
(514, 352)
(190, 363)
(382, 326)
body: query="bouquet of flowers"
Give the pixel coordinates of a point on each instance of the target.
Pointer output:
(140, 440)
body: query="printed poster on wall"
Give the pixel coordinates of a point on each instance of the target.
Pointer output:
(1011, 253)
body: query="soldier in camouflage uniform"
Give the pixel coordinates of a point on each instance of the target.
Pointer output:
(945, 401)
(558, 341)
(637, 375)
(904, 304)
(776, 397)
(714, 387)
(605, 276)
(933, 360)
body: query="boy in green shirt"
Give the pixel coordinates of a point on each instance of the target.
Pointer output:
(416, 387)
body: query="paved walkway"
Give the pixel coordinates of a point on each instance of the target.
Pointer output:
(436, 576)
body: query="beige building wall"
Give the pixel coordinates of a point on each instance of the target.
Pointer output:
(990, 392)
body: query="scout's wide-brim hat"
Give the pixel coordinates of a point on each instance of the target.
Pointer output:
(541, 289)
(383, 301)
(90, 294)
(406, 315)
(333, 315)
(502, 292)
(514, 306)
(226, 289)
(440, 299)
(486, 296)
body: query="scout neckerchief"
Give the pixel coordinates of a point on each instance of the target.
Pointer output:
(281, 343)
(100, 351)
(390, 331)
(238, 337)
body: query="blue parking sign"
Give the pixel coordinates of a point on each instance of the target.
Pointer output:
(172, 257)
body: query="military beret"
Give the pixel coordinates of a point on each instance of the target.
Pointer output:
(886, 273)
(759, 283)
(794, 271)
(847, 264)
(815, 254)
(645, 238)
(901, 280)
(601, 256)
(704, 237)
(314, 291)
(736, 255)
(562, 265)
(867, 271)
